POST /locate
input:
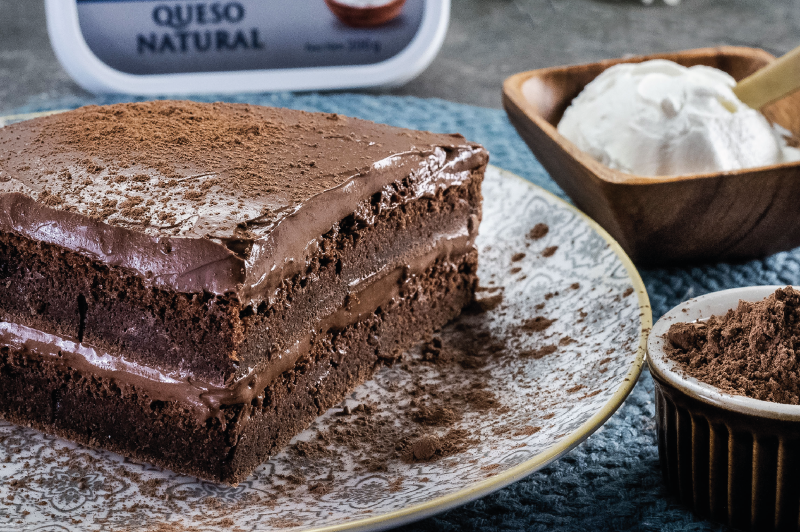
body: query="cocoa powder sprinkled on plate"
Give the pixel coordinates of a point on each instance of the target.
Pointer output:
(542, 352)
(538, 231)
(550, 251)
(537, 324)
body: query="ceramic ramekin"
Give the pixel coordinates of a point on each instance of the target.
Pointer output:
(730, 458)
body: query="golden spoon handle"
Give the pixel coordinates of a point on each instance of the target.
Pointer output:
(776, 80)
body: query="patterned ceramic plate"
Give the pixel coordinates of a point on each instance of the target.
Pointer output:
(555, 347)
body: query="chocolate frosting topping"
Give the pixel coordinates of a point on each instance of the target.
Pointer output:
(223, 198)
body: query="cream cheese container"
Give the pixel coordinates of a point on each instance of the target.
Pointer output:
(155, 47)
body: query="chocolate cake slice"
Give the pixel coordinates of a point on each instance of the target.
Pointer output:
(192, 284)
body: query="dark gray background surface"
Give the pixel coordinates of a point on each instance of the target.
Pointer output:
(488, 40)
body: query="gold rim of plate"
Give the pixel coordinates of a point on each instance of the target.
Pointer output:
(501, 480)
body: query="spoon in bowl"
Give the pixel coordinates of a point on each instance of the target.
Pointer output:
(776, 80)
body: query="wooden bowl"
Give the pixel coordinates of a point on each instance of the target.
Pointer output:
(733, 215)
(366, 17)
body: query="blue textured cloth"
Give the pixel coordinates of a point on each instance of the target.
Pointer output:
(612, 481)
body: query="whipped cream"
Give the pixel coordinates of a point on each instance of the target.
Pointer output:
(658, 118)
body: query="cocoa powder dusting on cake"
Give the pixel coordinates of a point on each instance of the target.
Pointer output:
(229, 164)
(173, 135)
(752, 350)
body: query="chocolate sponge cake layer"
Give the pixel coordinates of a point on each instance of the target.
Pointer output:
(60, 392)
(197, 269)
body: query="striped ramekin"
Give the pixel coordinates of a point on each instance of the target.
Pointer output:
(730, 458)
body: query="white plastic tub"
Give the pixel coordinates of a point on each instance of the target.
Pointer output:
(153, 47)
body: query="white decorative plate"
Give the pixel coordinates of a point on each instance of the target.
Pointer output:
(542, 403)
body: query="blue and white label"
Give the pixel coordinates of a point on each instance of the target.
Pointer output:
(157, 37)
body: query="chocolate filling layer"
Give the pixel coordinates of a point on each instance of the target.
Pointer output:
(206, 398)
(215, 337)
